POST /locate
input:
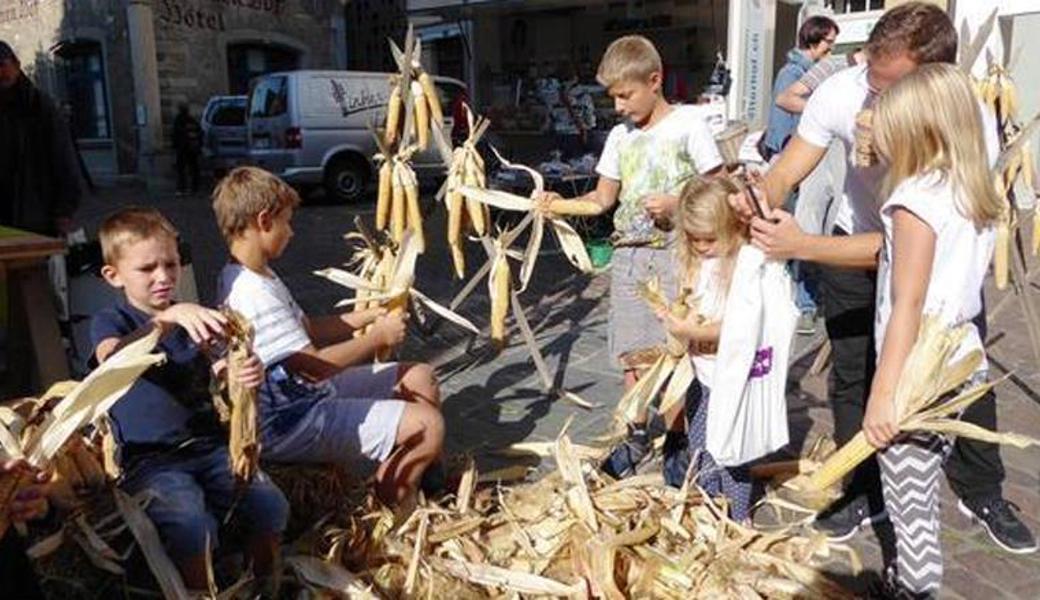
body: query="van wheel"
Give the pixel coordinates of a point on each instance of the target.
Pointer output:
(346, 179)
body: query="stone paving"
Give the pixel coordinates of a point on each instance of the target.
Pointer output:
(493, 401)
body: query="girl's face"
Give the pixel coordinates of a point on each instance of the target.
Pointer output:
(705, 245)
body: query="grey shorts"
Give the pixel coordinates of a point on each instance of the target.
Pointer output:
(355, 427)
(633, 325)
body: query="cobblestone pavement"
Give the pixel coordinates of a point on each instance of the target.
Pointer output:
(493, 401)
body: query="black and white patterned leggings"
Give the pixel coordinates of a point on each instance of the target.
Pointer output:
(732, 482)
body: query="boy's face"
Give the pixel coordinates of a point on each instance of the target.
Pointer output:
(147, 271)
(275, 231)
(635, 100)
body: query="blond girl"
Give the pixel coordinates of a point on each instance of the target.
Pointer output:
(711, 235)
(938, 240)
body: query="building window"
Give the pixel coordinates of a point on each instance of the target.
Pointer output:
(83, 72)
(842, 7)
(249, 60)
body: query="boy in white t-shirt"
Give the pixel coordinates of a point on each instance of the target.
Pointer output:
(323, 401)
(645, 161)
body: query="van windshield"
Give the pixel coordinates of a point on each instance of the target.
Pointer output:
(269, 97)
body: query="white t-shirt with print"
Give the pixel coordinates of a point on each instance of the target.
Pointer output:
(657, 160)
(278, 322)
(710, 301)
(962, 257)
(831, 114)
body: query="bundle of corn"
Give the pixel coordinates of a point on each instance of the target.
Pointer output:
(397, 200)
(922, 400)
(466, 168)
(571, 534)
(84, 403)
(244, 438)
(672, 364)
(388, 281)
(570, 242)
(413, 90)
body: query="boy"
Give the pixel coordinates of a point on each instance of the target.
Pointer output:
(645, 161)
(321, 402)
(170, 439)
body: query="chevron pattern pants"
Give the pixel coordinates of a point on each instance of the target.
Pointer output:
(910, 472)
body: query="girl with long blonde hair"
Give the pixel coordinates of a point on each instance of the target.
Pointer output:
(938, 221)
(710, 236)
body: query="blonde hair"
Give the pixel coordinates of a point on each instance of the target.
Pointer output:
(130, 225)
(244, 193)
(704, 211)
(628, 58)
(929, 122)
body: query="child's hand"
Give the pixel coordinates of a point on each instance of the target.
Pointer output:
(30, 501)
(363, 318)
(879, 421)
(672, 324)
(543, 203)
(251, 375)
(660, 205)
(202, 324)
(389, 329)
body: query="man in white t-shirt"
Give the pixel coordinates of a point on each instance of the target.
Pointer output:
(905, 37)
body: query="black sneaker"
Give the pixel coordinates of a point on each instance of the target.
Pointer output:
(628, 454)
(676, 458)
(843, 519)
(1000, 521)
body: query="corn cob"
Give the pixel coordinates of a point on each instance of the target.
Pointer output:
(397, 206)
(455, 209)
(244, 443)
(393, 113)
(474, 208)
(383, 197)
(422, 116)
(415, 222)
(578, 208)
(499, 288)
(432, 98)
(1001, 253)
(680, 310)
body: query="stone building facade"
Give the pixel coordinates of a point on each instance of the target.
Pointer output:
(123, 66)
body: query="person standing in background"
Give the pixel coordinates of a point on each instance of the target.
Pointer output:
(187, 142)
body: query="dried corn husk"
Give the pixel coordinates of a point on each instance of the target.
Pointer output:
(244, 438)
(166, 573)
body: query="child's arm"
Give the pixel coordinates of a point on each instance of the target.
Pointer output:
(332, 329)
(913, 249)
(596, 202)
(318, 364)
(689, 329)
(201, 323)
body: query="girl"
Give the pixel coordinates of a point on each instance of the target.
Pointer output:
(712, 235)
(938, 240)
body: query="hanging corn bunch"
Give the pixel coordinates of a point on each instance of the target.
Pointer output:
(570, 242)
(499, 286)
(84, 403)
(922, 401)
(397, 198)
(413, 95)
(244, 442)
(466, 168)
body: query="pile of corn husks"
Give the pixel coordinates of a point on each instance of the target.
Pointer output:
(573, 533)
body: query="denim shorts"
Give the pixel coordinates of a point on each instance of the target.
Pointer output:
(193, 489)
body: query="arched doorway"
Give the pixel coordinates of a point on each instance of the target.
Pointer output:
(246, 60)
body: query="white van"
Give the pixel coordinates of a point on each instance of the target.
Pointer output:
(311, 128)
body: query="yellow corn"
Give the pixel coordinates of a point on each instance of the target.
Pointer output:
(841, 463)
(411, 191)
(455, 208)
(430, 91)
(397, 206)
(676, 346)
(393, 114)
(1001, 254)
(580, 208)
(422, 116)
(474, 207)
(499, 299)
(383, 197)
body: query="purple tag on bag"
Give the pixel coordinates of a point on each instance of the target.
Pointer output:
(763, 363)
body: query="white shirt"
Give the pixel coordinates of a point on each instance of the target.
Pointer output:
(962, 257)
(831, 114)
(267, 304)
(710, 302)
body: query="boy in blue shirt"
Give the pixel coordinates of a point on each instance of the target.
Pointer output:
(170, 439)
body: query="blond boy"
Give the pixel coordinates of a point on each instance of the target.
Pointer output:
(645, 161)
(171, 442)
(323, 400)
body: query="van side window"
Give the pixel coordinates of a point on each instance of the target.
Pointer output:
(269, 97)
(228, 114)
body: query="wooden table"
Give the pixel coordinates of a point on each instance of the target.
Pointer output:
(32, 313)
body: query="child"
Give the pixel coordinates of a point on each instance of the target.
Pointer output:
(645, 160)
(712, 235)
(323, 400)
(170, 439)
(938, 240)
